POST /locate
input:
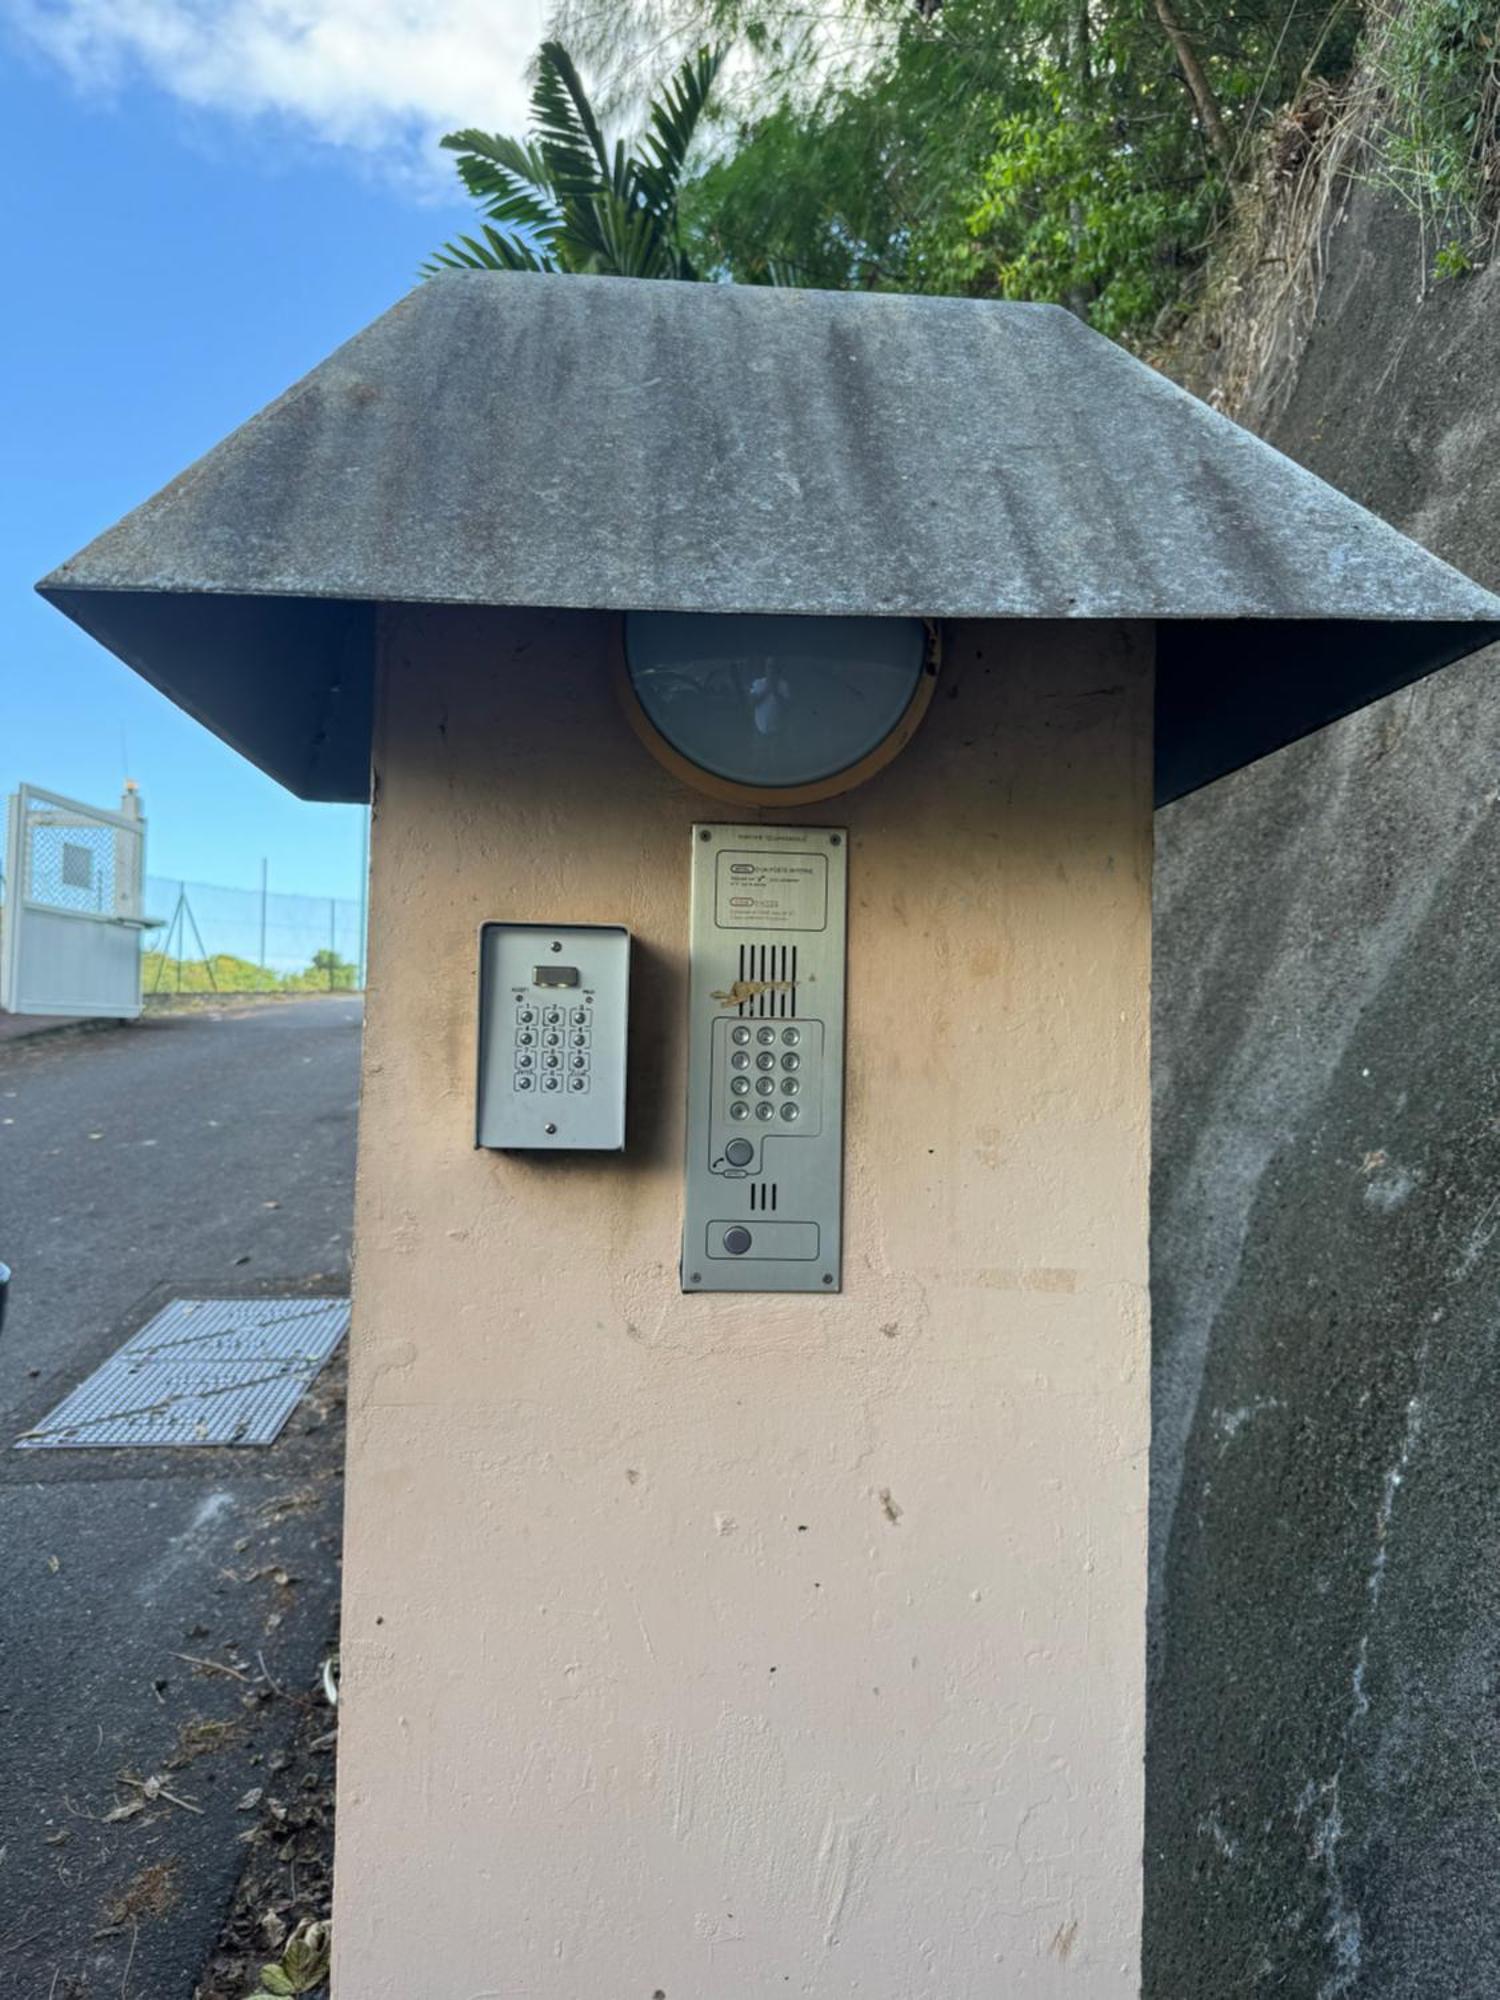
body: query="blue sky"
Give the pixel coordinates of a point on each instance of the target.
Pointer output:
(192, 223)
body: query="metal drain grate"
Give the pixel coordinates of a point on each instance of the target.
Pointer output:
(203, 1371)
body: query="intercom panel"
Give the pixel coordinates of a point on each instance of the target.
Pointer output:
(765, 1060)
(553, 1015)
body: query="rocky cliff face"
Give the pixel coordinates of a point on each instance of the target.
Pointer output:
(1324, 1764)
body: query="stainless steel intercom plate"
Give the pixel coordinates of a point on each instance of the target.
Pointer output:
(765, 1060)
(553, 1014)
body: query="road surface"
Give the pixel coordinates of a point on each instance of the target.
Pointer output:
(192, 1154)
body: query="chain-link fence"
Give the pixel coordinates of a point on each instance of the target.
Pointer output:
(212, 939)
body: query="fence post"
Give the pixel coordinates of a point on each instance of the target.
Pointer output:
(332, 939)
(263, 871)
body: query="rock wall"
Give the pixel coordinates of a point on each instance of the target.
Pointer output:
(1323, 1813)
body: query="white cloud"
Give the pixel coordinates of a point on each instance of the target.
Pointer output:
(380, 76)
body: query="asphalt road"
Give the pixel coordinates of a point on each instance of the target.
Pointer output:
(208, 1153)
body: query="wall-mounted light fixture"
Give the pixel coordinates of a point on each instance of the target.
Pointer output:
(775, 711)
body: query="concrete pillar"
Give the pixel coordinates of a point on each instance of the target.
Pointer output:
(723, 1647)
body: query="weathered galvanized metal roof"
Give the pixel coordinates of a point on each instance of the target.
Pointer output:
(577, 442)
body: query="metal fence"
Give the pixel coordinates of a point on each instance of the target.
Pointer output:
(211, 939)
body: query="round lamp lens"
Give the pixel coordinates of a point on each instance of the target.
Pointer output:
(771, 703)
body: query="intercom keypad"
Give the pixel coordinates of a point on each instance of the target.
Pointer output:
(552, 1036)
(765, 1060)
(553, 1046)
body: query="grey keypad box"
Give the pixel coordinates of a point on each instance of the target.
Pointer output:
(553, 1024)
(764, 1182)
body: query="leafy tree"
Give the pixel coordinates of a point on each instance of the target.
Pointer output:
(1080, 151)
(562, 201)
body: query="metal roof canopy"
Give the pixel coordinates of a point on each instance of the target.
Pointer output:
(612, 444)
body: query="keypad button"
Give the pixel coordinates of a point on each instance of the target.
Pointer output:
(764, 1111)
(789, 1086)
(791, 1062)
(740, 1035)
(525, 1060)
(790, 1113)
(524, 1038)
(767, 1061)
(579, 1038)
(525, 1082)
(765, 1036)
(552, 1083)
(551, 1060)
(791, 1036)
(552, 1016)
(764, 1085)
(739, 1060)
(740, 1085)
(579, 1062)
(578, 1083)
(580, 1017)
(526, 1016)
(739, 1110)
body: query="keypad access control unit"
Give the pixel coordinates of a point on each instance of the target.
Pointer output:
(765, 1060)
(553, 1005)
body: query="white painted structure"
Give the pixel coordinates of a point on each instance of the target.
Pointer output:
(71, 922)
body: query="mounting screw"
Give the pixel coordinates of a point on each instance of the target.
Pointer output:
(696, 1278)
(556, 946)
(551, 1129)
(705, 833)
(828, 1277)
(835, 840)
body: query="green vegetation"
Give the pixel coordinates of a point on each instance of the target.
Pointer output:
(1084, 152)
(1436, 68)
(222, 972)
(562, 201)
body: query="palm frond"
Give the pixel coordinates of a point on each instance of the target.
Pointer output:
(495, 253)
(509, 179)
(567, 131)
(674, 115)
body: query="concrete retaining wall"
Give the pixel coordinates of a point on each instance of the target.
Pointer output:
(1324, 1763)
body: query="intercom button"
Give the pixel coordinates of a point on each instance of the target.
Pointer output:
(739, 1152)
(737, 1241)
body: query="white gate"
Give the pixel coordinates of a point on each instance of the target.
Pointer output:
(70, 927)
